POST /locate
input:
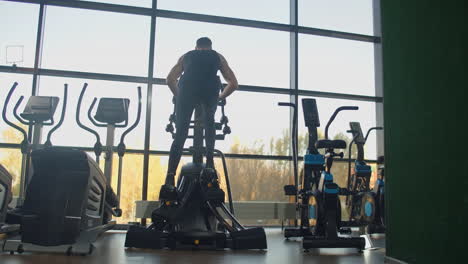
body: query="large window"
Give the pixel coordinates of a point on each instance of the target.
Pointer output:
(94, 41)
(110, 47)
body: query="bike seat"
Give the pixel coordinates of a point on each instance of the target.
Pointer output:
(334, 144)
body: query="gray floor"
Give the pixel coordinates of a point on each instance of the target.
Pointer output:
(110, 249)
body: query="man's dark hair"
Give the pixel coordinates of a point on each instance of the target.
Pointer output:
(204, 42)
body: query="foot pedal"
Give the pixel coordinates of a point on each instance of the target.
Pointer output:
(290, 190)
(253, 238)
(345, 231)
(208, 175)
(296, 232)
(210, 186)
(214, 194)
(140, 237)
(339, 242)
(166, 213)
(168, 193)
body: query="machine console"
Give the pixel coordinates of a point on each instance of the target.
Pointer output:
(112, 110)
(40, 108)
(311, 117)
(357, 132)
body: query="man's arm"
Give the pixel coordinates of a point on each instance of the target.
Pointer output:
(174, 74)
(230, 78)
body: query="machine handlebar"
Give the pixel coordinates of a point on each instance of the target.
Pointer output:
(62, 116)
(90, 117)
(7, 100)
(370, 129)
(332, 118)
(137, 119)
(80, 100)
(15, 111)
(286, 104)
(223, 123)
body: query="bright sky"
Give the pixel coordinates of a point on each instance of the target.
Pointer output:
(93, 41)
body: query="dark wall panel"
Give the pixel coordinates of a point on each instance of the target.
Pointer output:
(425, 82)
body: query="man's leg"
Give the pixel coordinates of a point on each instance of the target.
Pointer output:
(184, 110)
(210, 131)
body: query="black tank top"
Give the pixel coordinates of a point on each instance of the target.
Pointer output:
(200, 71)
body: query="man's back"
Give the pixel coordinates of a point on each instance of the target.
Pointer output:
(200, 70)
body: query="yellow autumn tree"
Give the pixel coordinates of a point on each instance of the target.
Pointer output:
(11, 158)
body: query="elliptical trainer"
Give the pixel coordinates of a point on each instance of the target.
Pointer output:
(66, 197)
(199, 217)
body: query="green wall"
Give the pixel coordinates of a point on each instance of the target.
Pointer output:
(426, 108)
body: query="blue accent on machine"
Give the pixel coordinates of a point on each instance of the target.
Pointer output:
(362, 168)
(380, 182)
(368, 209)
(328, 177)
(312, 212)
(314, 159)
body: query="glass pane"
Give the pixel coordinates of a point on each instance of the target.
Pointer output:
(11, 161)
(96, 41)
(257, 57)
(70, 134)
(7, 133)
(18, 33)
(139, 3)
(256, 121)
(258, 124)
(277, 11)
(336, 65)
(162, 108)
(157, 173)
(258, 180)
(251, 180)
(339, 15)
(337, 130)
(132, 178)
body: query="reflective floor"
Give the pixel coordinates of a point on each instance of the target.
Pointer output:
(110, 249)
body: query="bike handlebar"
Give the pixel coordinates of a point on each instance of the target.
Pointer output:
(286, 104)
(370, 129)
(339, 109)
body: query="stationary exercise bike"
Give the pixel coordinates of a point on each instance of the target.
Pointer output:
(360, 203)
(318, 203)
(197, 218)
(65, 199)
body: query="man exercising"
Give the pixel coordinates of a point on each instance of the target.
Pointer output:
(199, 84)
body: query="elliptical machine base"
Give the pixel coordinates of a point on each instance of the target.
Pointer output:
(198, 217)
(197, 221)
